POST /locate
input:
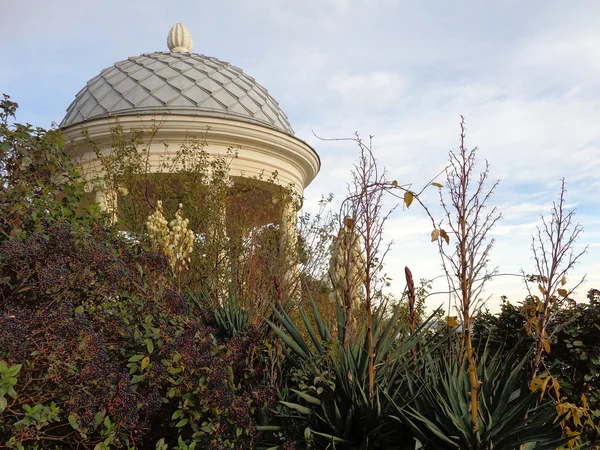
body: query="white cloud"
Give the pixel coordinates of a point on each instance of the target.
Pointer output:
(373, 90)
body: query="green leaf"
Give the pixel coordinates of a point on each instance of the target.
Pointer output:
(14, 370)
(137, 379)
(73, 421)
(3, 404)
(150, 345)
(311, 331)
(310, 399)
(330, 437)
(181, 423)
(301, 409)
(99, 417)
(323, 328)
(289, 342)
(269, 428)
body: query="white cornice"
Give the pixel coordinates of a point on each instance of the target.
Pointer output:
(260, 148)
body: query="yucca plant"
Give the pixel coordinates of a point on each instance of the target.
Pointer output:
(229, 317)
(330, 380)
(511, 417)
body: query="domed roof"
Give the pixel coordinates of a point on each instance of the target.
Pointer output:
(176, 82)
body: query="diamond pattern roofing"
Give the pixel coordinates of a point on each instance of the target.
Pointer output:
(176, 83)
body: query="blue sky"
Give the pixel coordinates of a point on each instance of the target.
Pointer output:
(526, 75)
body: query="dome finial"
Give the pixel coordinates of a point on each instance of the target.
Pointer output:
(179, 39)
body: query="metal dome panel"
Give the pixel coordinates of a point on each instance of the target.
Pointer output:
(176, 83)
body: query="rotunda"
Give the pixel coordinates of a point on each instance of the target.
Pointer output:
(181, 94)
(191, 93)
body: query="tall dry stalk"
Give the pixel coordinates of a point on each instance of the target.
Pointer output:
(469, 221)
(363, 216)
(364, 206)
(553, 248)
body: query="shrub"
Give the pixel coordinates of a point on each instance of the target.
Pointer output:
(112, 351)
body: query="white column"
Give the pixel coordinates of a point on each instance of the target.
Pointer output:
(289, 246)
(107, 198)
(217, 234)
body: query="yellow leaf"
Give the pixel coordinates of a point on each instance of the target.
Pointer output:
(563, 292)
(556, 385)
(395, 183)
(563, 281)
(577, 417)
(437, 185)
(445, 236)
(542, 290)
(452, 321)
(584, 401)
(408, 198)
(145, 362)
(546, 345)
(435, 234)
(537, 383)
(533, 323)
(543, 387)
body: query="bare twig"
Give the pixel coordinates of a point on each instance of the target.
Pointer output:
(553, 248)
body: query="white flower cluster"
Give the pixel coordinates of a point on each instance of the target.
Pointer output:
(159, 230)
(174, 239)
(347, 267)
(181, 240)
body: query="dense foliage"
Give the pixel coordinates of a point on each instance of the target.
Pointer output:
(111, 354)
(573, 361)
(38, 181)
(101, 346)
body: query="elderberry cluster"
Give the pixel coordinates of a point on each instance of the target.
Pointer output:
(13, 335)
(151, 402)
(239, 348)
(218, 389)
(123, 402)
(289, 445)
(84, 406)
(88, 303)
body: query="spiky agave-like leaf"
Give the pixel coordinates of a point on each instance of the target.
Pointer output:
(510, 414)
(346, 417)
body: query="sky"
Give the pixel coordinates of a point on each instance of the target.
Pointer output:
(525, 75)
